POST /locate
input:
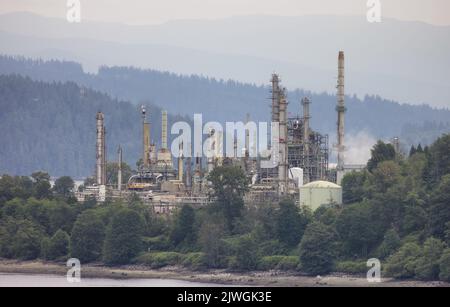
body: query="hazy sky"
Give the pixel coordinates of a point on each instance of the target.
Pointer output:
(157, 11)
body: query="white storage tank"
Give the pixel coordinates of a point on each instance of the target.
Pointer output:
(318, 193)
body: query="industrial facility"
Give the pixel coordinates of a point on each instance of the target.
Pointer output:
(303, 173)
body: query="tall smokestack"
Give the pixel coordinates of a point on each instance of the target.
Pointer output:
(180, 162)
(189, 168)
(101, 150)
(341, 112)
(164, 130)
(146, 139)
(212, 151)
(119, 172)
(275, 98)
(283, 165)
(306, 118)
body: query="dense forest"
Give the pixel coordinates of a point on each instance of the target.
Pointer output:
(51, 126)
(397, 211)
(222, 100)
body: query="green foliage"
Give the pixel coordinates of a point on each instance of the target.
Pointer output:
(351, 267)
(159, 259)
(87, 237)
(380, 152)
(290, 224)
(247, 254)
(195, 261)
(317, 250)
(64, 187)
(41, 186)
(390, 244)
(447, 233)
(14, 187)
(57, 247)
(353, 187)
(385, 176)
(183, 230)
(428, 264)
(444, 266)
(159, 243)
(439, 158)
(211, 241)
(439, 210)
(356, 229)
(278, 262)
(403, 263)
(229, 185)
(20, 239)
(123, 239)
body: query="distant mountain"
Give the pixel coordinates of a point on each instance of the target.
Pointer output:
(51, 127)
(228, 100)
(403, 61)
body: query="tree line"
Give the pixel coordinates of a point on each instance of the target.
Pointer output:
(397, 210)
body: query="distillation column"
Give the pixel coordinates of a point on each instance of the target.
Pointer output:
(146, 139)
(101, 151)
(341, 111)
(306, 150)
(283, 163)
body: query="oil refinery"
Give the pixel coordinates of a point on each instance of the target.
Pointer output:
(303, 171)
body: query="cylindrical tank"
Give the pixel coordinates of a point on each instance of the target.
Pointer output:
(318, 193)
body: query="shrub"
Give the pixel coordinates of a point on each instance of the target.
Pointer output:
(123, 240)
(56, 247)
(269, 262)
(444, 266)
(159, 243)
(87, 237)
(247, 254)
(403, 263)
(351, 267)
(288, 263)
(159, 259)
(317, 249)
(278, 262)
(390, 244)
(195, 261)
(428, 265)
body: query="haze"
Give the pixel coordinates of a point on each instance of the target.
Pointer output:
(435, 12)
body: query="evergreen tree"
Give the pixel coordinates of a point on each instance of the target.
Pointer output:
(380, 152)
(183, 230)
(317, 249)
(123, 239)
(87, 237)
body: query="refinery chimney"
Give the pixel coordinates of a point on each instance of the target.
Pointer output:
(146, 139)
(275, 98)
(306, 132)
(341, 112)
(119, 172)
(189, 168)
(181, 162)
(100, 150)
(283, 163)
(164, 130)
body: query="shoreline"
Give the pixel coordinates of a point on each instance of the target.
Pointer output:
(253, 279)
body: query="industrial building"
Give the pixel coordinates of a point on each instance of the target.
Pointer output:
(303, 173)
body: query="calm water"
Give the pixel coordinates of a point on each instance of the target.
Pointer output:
(19, 280)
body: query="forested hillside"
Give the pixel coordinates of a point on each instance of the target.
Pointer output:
(228, 100)
(51, 127)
